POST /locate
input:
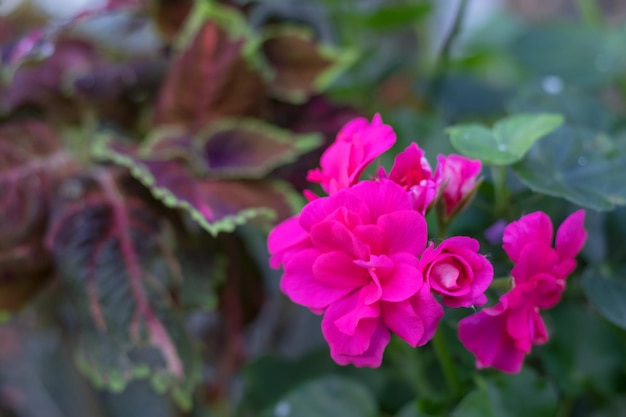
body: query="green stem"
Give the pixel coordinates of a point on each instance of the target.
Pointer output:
(590, 12)
(443, 58)
(503, 283)
(565, 406)
(447, 365)
(501, 192)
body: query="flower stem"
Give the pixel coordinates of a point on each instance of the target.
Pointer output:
(447, 365)
(501, 193)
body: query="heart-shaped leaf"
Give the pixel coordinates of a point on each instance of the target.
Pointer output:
(507, 142)
(300, 65)
(607, 293)
(110, 249)
(579, 165)
(326, 396)
(507, 396)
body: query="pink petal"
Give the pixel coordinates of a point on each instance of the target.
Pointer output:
(358, 340)
(402, 283)
(354, 309)
(373, 236)
(486, 336)
(571, 235)
(534, 227)
(334, 236)
(301, 286)
(415, 320)
(373, 356)
(535, 258)
(337, 269)
(405, 231)
(284, 238)
(381, 197)
(318, 210)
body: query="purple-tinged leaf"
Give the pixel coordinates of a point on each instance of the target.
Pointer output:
(210, 79)
(217, 205)
(112, 256)
(230, 148)
(31, 165)
(301, 66)
(41, 84)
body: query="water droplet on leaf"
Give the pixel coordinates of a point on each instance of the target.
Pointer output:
(552, 84)
(282, 409)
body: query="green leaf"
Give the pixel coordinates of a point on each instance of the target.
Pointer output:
(607, 293)
(328, 396)
(584, 352)
(579, 165)
(508, 396)
(393, 16)
(507, 142)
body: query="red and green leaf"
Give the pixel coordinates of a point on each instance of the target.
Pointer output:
(212, 77)
(112, 254)
(32, 163)
(300, 65)
(216, 204)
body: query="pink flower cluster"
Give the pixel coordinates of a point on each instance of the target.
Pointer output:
(359, 256)
(502, 335)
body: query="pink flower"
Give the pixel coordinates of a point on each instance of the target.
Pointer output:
(357, 145)
(528, 242)
(457, 176)
(358, 265)
(457, 272)
(501, 336)
(412, 171)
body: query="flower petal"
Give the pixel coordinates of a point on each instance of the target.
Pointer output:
(301, 286)
(284, 238)
(337, 269)
(571, 235)
(534, 227)
(405, 231)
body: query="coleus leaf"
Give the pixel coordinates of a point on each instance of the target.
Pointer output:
(110, 250)
(299, 64)
(170, 16)
(32, 163)
(217, 205)
(231, 148)
(212, 77)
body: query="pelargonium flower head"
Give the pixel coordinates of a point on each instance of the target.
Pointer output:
(358, 265)
(456, 271)
(501, 336)
(528, 242)
(412, 171)
(458, 177)
(357, 144)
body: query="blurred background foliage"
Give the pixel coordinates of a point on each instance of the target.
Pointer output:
(424, 65)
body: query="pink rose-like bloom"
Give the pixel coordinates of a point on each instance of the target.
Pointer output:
(412, 171)
(353, 256)
(456, 271)
(501, 336)
(356, 146)
(458, 175)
